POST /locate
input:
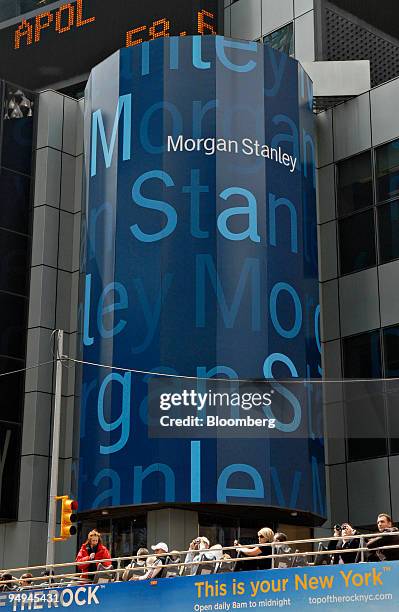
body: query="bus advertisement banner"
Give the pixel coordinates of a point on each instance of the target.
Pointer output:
(369, 586)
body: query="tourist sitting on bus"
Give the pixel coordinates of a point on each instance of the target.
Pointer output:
(7, 586)
(155, 570)
(196, 553)
(93, 556)
(348, 542)
(282, 548)
(25, 581)
(265, 537)
(138, 566)
(384, 526)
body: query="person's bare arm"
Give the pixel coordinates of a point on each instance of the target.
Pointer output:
(251, 552)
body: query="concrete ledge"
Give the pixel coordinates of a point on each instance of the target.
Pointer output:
(339, 78)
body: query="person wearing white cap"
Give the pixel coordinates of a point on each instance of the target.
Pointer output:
(159, 549)
(198, 552)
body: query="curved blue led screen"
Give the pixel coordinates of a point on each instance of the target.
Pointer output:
(200, 259)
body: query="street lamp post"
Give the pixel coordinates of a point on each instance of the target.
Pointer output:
(55, 454)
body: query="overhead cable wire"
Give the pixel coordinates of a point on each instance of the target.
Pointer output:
(38, 365)
(270, 380)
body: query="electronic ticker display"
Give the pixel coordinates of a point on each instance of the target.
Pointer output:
(58, 45)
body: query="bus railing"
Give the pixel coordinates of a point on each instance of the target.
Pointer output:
(55, 577)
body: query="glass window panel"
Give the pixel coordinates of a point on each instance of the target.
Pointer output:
(362, 356)
(14, 256)
(12, 8)
(17, 144)
(366, 427)
(129, 534)
(13, 311)
(10, 435)
(357, 242)
(15, 206)
(388, 231)
(390, 337)
(387, 162)
(366, 448)
(393, 418)
(282, 39)
(11, 390)
(354, 184)
(8, 9)
(32, 5)
(219, 529)
(122, 536)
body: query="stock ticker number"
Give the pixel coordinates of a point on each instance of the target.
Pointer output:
(72, 15)
(161, 28)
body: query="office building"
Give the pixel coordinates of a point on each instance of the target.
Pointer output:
(357, 208)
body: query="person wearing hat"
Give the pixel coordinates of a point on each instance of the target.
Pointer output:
(156, 568)
(198, 552)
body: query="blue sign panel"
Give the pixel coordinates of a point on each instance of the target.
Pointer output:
(200, 260)
(369, 586)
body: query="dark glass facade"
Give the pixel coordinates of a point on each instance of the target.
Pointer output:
(374, 354)
(387, 171)
(388, 231)
(122, 536)
(368, 208)
(13, 8)
(368, 235)
(16, 138)
(354, 184)
(282, 39)
(357, 242)
(362, 356)
(371, 409)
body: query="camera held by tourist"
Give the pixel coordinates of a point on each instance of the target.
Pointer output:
(348, 543)
(197, 552)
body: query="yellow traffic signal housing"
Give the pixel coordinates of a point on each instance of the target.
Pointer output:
(68, 517)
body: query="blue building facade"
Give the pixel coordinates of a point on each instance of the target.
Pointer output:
(199, 259)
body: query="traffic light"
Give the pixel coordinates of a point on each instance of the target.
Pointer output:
(68, 517)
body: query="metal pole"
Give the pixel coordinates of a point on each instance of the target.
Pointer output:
(52, 508)
(362, 551)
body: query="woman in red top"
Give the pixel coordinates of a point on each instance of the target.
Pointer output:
(93, 556)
